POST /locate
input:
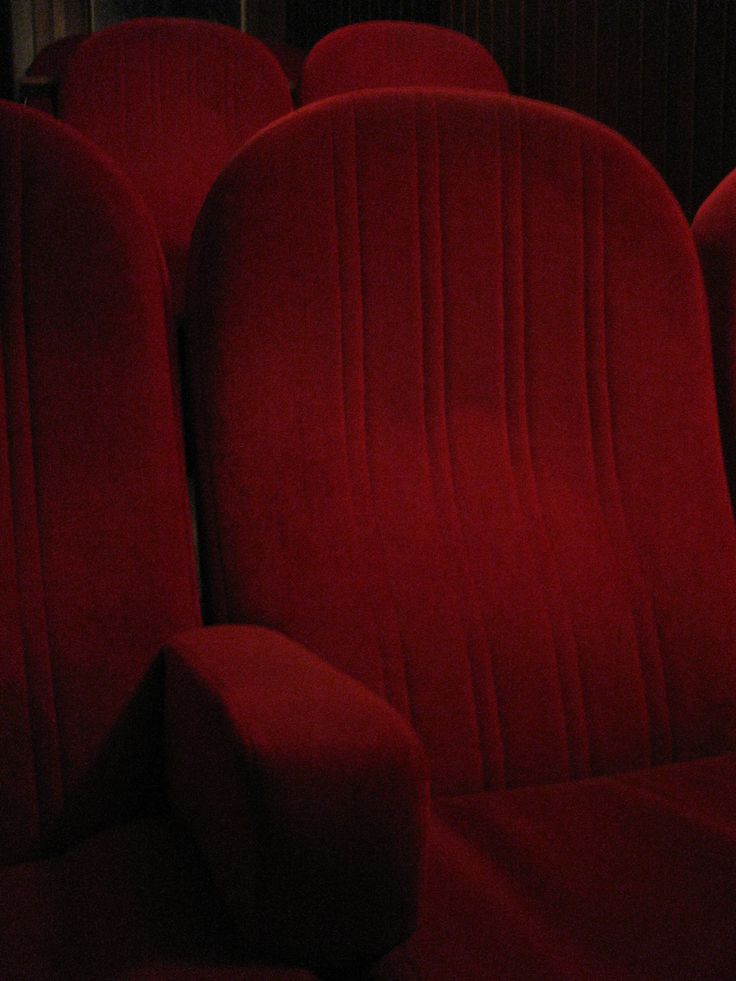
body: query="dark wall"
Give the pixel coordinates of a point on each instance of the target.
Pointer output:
(6, 53)
(663, 72)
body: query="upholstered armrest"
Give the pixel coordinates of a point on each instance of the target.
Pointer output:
(306, 792)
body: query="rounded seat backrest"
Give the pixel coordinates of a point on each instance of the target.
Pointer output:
(457, 430)
(95, 545)
(172, 100)
(391, 54)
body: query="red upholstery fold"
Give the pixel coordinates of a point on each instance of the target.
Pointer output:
(307, 793)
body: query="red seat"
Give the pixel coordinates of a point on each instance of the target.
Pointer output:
(97, 571)
(39, 85)
(172, 100)
(457, 439)
(714, 228)
(389, 53)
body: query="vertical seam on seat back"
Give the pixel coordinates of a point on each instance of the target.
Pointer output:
(524, 457)
(340, 333)
(365, 450)
(662, 668)
(597, 407)
(456, 535)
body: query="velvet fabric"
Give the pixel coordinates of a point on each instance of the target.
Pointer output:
(608, 879)
(714, 228)
(97, 571)
(172, 100)
(456, 434)
(385, 53)
(97, 563)
(319, 787)
(132, 903)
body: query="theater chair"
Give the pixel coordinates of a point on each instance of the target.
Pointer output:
(97, 880)
(172, 100)
(390, 53)
(460, 470)
(39, 85)
(714, 228)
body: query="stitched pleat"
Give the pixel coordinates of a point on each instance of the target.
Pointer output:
(396, 671)
(598, 437)
(482, 694)
(651, 661)
(540, 556)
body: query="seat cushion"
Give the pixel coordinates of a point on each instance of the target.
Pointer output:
(625, 877)
(131, 903)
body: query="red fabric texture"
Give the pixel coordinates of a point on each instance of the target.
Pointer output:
(131, 904)
(457, 434)
(172, 100)
(95, 550)
(609, 879)
(470, 453)
(714, 228)
(388, 53)
(307, 793)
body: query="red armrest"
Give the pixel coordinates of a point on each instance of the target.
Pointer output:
(307, 793)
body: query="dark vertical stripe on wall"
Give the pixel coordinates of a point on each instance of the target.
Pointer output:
(607, 58)
(629, 70)
(729, 90)
(678, 168)
(663, 72)
(655, 81)
(586, 62)
(709, 94)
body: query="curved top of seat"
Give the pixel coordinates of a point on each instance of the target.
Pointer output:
(457, 430)
(172, 100)
(714, 225)
(714, 228)
(95, 539)
(388, 53)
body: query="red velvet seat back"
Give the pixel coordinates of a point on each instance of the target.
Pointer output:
(714, 228)
(172, 100)
(96, 557)
(457, 431)
(385, 53)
